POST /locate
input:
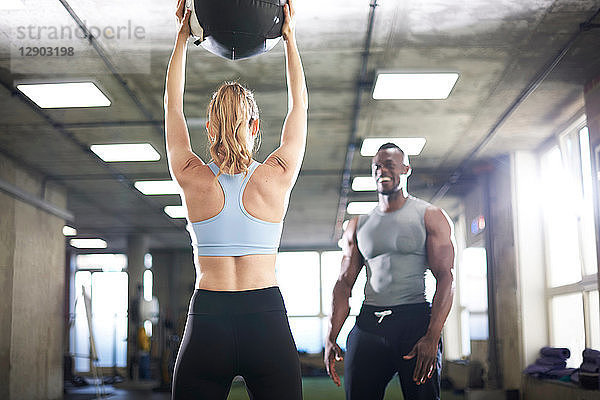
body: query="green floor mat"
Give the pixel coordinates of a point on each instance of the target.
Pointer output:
(323, 388)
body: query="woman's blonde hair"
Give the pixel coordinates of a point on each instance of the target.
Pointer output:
(230, 113)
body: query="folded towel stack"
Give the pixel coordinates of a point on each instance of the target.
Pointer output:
(589, 370)
(551, 365)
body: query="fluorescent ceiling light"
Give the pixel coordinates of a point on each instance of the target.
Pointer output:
(361, 207)
(65, 95)
(176, 211)
(126, 152)
(88, 243)
(412, 86)
(12, 5)
(157, 187)
(412, 146)
(364, 184)
(69, 231)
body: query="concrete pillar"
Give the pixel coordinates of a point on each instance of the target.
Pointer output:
(162, 288)
(516, 269)
(183, 279)
(504, 348)
(161, 268)
(531, 265)
(137, 247)
(32, 280)
(174, 277)
(591, 93)
(173, 273)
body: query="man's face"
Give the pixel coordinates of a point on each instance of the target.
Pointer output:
(388, 170)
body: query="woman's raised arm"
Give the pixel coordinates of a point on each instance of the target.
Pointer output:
(179, 149)
(289, 155)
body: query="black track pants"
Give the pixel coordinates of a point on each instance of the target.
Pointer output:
(237, 333)
(375, 349)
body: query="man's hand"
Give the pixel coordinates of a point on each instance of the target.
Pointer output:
(333, 353)
(426, 352)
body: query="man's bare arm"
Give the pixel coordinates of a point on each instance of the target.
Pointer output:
(352, 263)
(440, 257)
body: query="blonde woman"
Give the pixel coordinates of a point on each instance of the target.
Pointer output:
(237, 324)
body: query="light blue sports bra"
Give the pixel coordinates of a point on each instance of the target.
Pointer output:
(233, 231)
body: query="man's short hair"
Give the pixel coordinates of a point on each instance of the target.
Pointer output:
(390, 145)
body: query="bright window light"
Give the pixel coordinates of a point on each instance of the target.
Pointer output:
(410, 86)
(361, 207)
(147, 285)
(69, 231)
(107, 262)
(148, 327)
(176, 211)
(412, 146)
(88, 243)
(364, 184)
(298, 278)
(157, 187)
(126, 152)
(65, 95)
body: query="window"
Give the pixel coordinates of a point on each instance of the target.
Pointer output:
(104, 262)
(570, 243)
(109, 317)
(147, 283)
(80, 342)
(297, 273)
(473, 296)
(306, 280)
(567, 325)
(107, 287)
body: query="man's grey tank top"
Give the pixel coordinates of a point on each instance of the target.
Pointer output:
(393, 245)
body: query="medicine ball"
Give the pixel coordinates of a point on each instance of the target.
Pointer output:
(237, 29)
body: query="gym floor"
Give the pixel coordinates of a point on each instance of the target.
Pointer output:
(319, 388)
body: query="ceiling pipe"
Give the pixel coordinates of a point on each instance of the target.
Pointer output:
(351, 148)
(531, 87)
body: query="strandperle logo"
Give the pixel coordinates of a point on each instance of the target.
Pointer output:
(128, 31)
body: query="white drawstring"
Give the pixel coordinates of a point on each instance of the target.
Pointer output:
(382, 314)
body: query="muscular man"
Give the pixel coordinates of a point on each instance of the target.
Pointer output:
(397, 331)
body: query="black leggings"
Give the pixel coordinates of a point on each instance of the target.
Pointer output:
(237, 333)
(374, 353)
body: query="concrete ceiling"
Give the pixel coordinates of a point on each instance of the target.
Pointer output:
(497, 47)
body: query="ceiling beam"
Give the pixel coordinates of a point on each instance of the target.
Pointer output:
(351, 147)
(35, 201)
(529, 89)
